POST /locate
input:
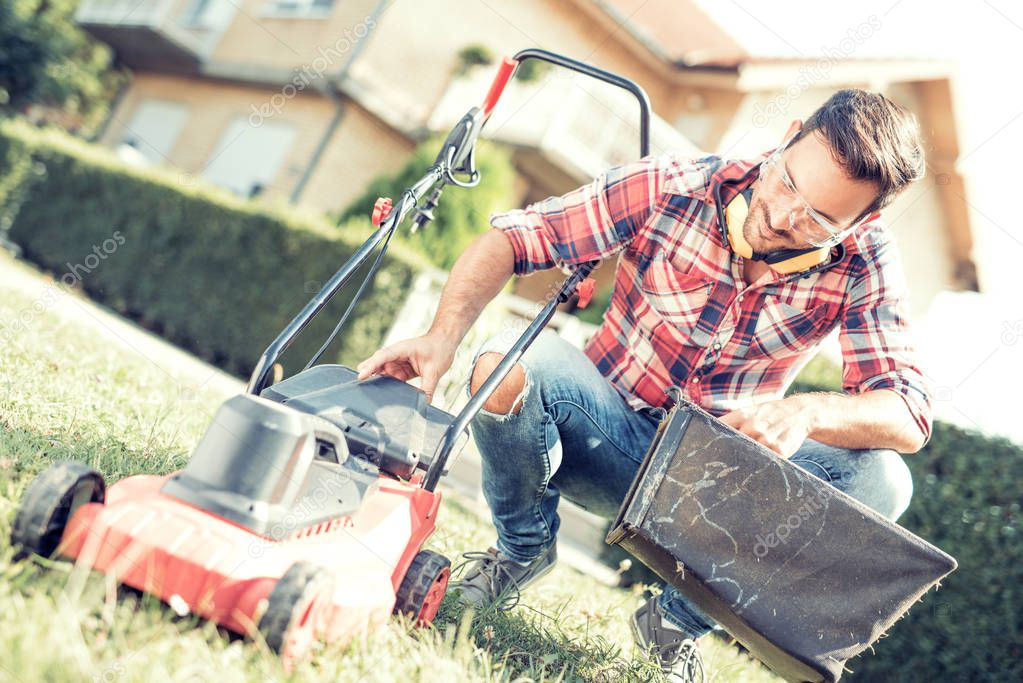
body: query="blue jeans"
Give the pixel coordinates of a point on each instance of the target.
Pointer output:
(575, 435)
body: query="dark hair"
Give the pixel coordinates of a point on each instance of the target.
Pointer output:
(873, 139)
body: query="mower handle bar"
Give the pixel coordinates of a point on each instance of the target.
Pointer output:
(600, 75)
(456, 151)
(475, 403)
(261, 373)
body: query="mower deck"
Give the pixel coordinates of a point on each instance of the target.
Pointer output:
(222, 571)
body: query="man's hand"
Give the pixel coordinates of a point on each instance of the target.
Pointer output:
(781, 425)
(428, 356)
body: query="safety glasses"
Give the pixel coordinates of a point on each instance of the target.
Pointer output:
(817, 230)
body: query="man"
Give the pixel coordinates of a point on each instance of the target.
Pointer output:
(731, 273)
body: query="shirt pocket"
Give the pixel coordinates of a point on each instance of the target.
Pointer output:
(783, 330)
(676, 297)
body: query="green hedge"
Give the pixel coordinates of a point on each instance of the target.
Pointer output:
(212, 273)
(966, 501)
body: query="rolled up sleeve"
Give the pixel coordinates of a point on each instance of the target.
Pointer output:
(878, 350)
(590, 223)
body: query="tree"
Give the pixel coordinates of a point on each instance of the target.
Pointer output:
(46, 60)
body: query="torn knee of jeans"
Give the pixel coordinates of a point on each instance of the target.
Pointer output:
(516, 405)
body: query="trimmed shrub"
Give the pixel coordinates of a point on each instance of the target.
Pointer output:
(463, 214)
(473, 55)
(212, 273)
(967, 502)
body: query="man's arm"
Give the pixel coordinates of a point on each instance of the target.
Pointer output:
(590, 223)
(873, 419)
(476, 278)
(878, 352)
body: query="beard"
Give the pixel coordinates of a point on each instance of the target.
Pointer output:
(759, 219)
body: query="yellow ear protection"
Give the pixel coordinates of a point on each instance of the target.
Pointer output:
(784, 261)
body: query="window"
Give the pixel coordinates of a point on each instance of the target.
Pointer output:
(210, 14)
(247, 158)
(154, 128)
(300, 8)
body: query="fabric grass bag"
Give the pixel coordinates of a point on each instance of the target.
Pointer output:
(706, 512)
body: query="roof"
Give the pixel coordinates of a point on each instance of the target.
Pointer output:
(690, 33)
(677, 30)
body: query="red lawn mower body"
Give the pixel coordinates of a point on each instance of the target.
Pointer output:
(221, 571)
(304, 508)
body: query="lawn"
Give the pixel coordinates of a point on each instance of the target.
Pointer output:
(71, 391)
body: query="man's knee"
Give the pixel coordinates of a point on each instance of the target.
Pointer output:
(507, 397)
(886, 484)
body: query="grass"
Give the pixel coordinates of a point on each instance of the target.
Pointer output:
(66, 393)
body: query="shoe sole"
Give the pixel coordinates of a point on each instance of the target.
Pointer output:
(637, 635)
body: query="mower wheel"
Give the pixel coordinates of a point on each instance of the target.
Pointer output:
(48, 504)
(297, 610)
(423, 588)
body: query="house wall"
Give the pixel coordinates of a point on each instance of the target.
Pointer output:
(212, 106)
(411, 67)
(359, 150)
(259, 37)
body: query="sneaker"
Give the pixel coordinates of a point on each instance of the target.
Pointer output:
(495, 578)
(675, 652)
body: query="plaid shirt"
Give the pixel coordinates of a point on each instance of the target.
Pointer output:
(680, 313)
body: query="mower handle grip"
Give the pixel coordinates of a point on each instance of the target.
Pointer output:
(504, 74)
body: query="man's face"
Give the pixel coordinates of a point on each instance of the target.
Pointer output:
(821, 182)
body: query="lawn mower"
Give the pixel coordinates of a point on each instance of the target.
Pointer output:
(303, 511)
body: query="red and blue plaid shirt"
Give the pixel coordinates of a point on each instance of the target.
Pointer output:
(680, 313)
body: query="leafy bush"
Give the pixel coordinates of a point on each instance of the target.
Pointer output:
(462, 214)
(473, 55)
(212, 273)
(966, 502)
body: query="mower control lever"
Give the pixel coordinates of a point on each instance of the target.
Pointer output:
(424, 214)
(457, 153)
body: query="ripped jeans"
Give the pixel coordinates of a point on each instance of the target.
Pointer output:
(575, 435)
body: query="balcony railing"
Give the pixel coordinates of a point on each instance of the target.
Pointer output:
(162, 33)
(581, 125)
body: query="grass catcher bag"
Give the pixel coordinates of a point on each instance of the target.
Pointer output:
(800, 573)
